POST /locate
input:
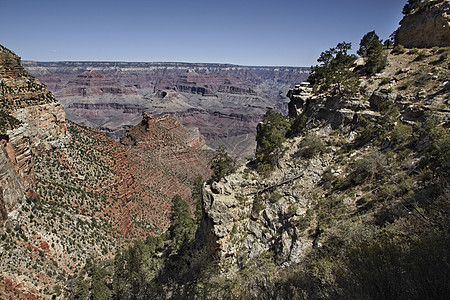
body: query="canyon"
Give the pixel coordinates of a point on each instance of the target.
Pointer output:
(225, 102)
(69, 192)
(356, 205)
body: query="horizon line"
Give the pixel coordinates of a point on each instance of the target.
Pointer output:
(162, 62)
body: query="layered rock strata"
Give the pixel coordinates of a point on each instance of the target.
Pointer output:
(222, 101)
(40, 126)
(69, 193)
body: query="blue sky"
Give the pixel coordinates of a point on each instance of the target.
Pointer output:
(271, 33)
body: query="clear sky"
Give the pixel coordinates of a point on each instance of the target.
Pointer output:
(244, 32)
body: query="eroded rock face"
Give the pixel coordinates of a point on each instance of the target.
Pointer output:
(12, 191)
(247, 214)
(68, 193)
(298, 96)
(17, 88)
(44, 125)
(40, 127)
(91, 83)
(241, 219)
(168, 145)
(426, 28)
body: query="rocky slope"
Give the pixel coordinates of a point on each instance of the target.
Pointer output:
(319, 194)
(223, 101)
(69, 193)
(356, 207)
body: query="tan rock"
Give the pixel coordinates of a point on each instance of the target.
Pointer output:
(428, 28)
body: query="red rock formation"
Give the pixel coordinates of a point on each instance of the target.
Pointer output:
(83, 184)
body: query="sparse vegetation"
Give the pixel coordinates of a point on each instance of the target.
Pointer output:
(310, 146)
(399, 49)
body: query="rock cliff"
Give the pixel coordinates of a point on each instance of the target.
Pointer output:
(427, 26)
(39, 126)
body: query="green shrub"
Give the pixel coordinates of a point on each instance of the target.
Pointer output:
(7, 122)
(221, 164)
(413, 51)
(388, 270)
(366, 169)
(258, 204)
(311, 146)
(399, 49)
(401, 133)
(275, 197)
(298, 126)
(444, 55)
(421, 56)
(385, 80)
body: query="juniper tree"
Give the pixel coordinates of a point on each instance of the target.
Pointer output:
(221, 164)
(334, 75)
(270, 139)
(371, 48)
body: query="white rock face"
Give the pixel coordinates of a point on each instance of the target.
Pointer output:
(246, 215)
(44, 125)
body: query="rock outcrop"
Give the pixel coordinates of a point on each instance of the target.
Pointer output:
(428, 26)
(40, 126)
(12, 191)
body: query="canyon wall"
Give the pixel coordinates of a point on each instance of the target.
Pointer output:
(223, 101)
(69, 193)
(250, 214)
